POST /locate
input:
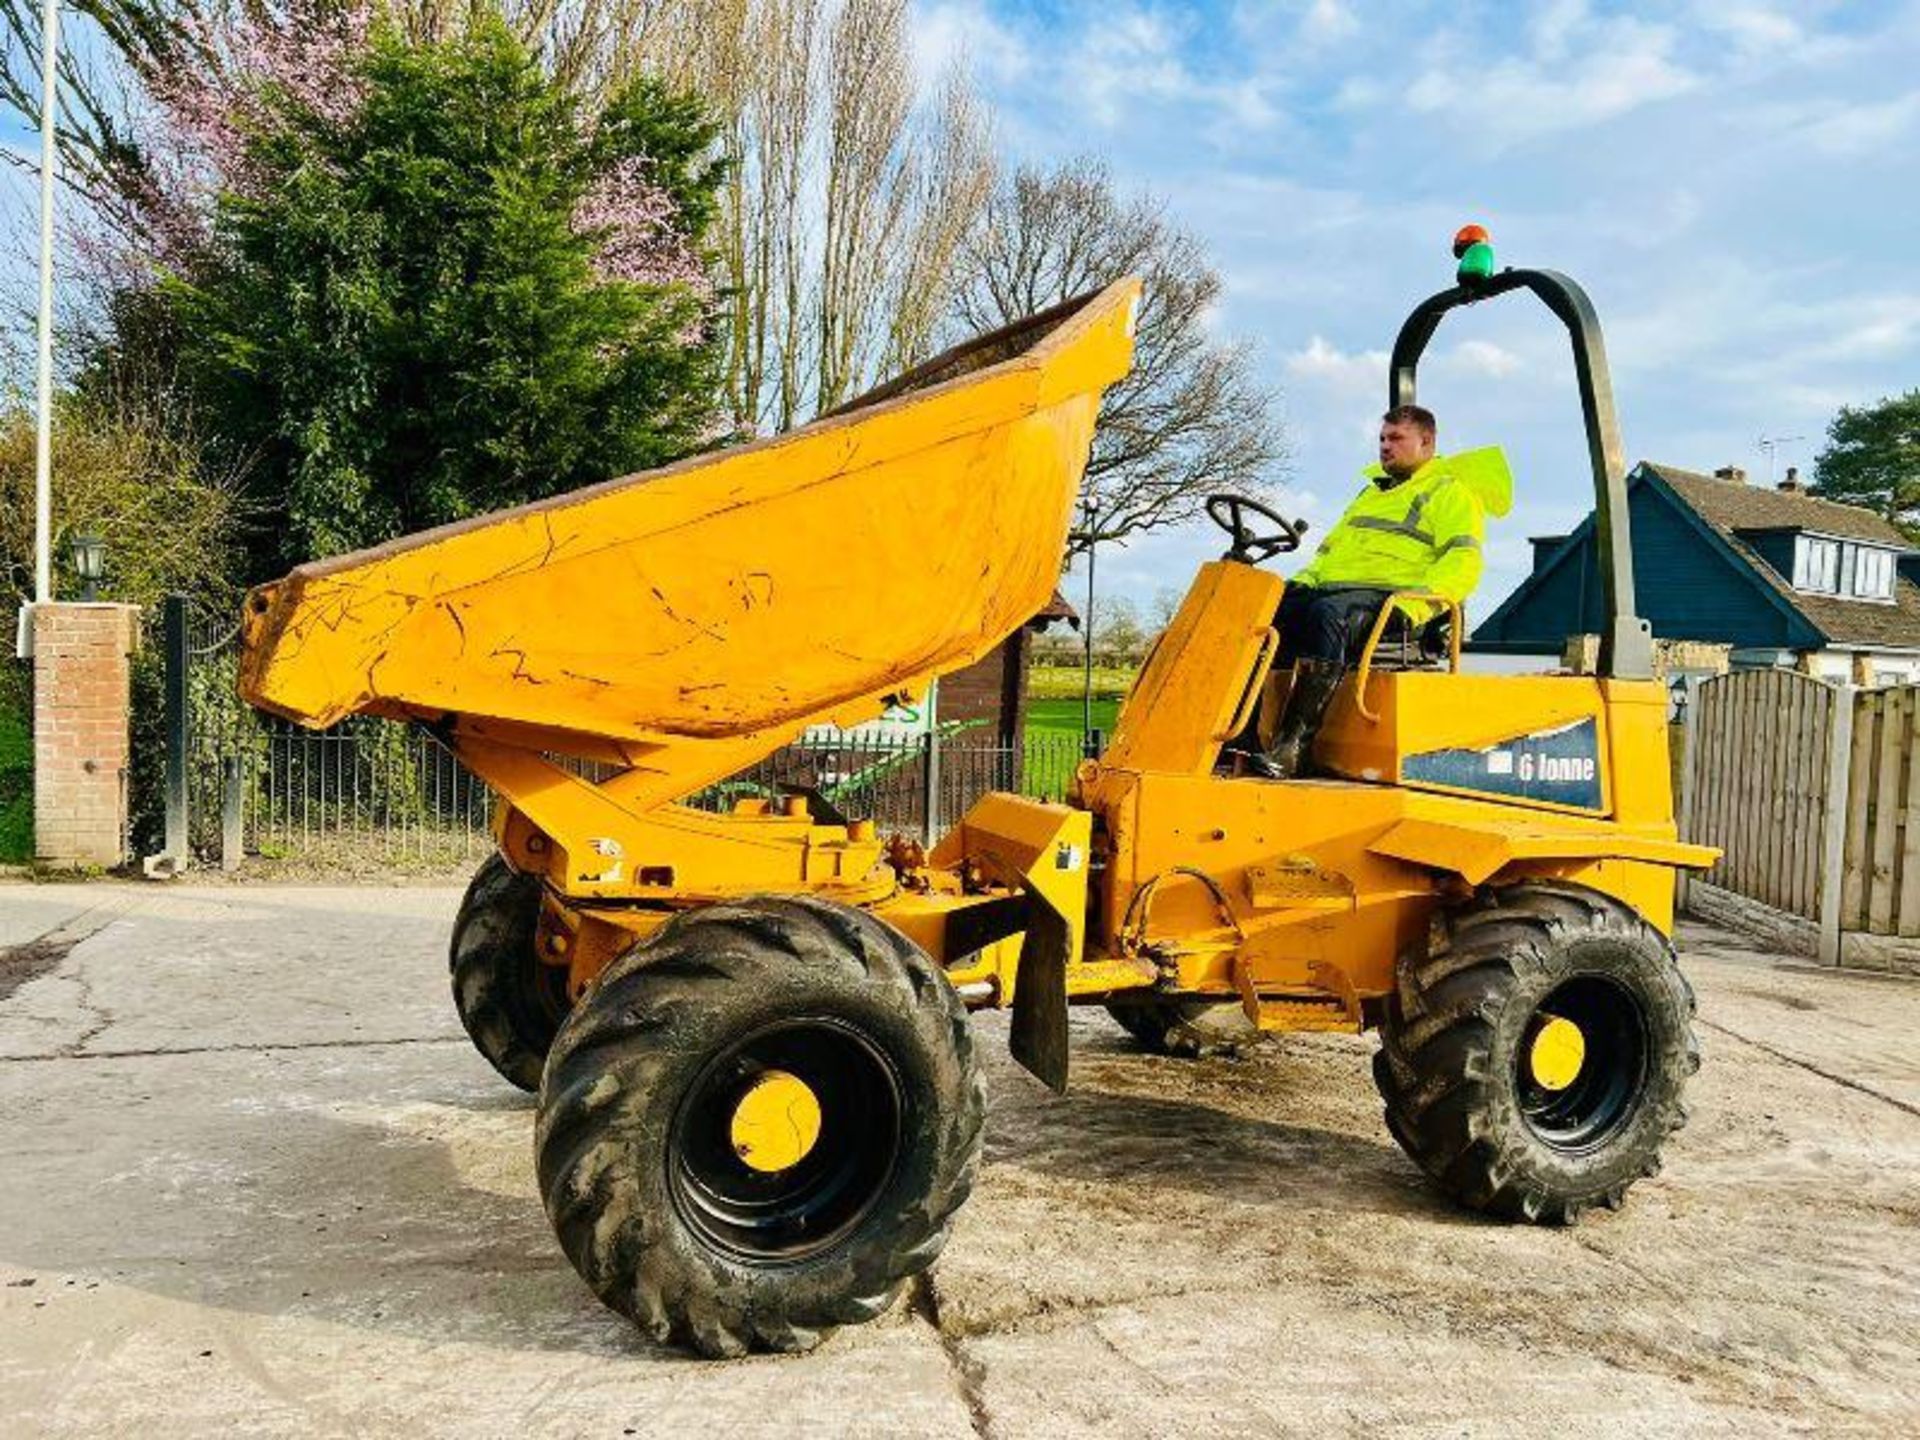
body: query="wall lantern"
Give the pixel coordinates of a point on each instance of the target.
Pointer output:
(89, 562)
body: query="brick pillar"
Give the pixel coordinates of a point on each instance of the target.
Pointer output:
(81, 698)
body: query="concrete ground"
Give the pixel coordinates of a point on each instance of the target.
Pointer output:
(255, 1181)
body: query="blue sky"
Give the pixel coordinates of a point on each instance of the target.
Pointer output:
(1737, 185)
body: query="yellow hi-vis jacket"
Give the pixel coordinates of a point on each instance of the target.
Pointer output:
(1423, 533)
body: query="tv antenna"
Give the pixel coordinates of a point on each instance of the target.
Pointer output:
(1771, 445)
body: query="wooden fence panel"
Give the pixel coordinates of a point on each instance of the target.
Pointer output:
(1813, 805)
(1793, 857)
(1760, 767)
(1866, 749)
(1774, 701)
(1906, 908)
(1760, 784)
(1885, 854)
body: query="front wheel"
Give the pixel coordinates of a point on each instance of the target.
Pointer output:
(758, 1124)
(1534, 1057)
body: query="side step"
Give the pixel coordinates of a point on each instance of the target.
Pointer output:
(1302, 1012)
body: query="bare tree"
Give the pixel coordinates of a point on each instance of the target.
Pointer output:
(93, 121)
(954, 181)
(1118, 637)
(1191, 419)
(851, 189)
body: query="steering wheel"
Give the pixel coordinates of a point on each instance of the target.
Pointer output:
(1229, 512)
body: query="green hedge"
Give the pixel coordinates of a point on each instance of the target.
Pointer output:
(16, 768)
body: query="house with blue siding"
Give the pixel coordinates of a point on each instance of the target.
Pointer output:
(1783, 577)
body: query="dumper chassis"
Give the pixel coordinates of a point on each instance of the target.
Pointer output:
(760, 1103)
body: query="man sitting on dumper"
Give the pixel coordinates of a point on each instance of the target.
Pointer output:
(1418, 525)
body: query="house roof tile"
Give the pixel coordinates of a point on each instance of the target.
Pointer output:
(1729, 508)
(1728, 505)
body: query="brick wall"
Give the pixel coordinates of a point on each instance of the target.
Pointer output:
(81, 678)
(993, 689)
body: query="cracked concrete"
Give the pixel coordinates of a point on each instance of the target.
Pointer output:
(257, 1183)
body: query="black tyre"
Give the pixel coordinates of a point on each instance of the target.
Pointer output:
(673, 1219)
(1534, 1057)
(510, 1002)
(1192, 1028)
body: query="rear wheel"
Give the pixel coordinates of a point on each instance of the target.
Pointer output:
(759, 1123)
(1194, 1028)
(1534, 1057)
(510, 1002)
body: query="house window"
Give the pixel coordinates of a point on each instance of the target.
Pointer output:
(1816, 565)
(1840, 567)
(1873, 574)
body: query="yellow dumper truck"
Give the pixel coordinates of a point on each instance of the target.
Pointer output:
(759, 1100)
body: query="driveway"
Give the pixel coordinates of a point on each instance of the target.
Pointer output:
(256, 1182)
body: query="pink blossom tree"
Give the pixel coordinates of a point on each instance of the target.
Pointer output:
(414, 279)
(253, 72)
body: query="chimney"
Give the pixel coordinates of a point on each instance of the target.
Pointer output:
(1791, 485)
(1732, 474)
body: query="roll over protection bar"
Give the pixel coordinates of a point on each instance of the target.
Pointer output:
(1626, 641)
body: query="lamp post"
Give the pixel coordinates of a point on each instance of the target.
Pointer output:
(1092, 508)
(43, 439)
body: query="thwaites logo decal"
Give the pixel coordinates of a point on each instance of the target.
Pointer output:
(1561, 766)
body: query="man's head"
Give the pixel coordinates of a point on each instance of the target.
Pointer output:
(1406, 440)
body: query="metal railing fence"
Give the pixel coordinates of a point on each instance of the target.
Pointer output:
(378, 792)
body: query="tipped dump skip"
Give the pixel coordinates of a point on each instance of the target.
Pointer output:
(755, 590)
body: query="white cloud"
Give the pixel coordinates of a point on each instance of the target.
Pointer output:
(966, 32)
(1342, 371)
(1327, 21)
(1111, 65)
(1763, 327)
(1754, 29)
(1483, 357)
(1869, 329)
(1579, 71)
(1135, 55)
(1554, 28)
(1852, 129)
(1278, 27)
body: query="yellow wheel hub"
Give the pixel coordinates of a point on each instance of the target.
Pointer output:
(1558, 1052)
(776, 1122)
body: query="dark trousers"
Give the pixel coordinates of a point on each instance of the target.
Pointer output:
(1329, 624)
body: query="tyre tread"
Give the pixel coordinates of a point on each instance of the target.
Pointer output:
(488, 963)
(617, 1031)
(1433, 1070)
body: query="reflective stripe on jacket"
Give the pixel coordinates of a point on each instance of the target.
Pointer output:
(1423, 533)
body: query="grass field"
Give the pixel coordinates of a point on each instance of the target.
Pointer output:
(1065, 717)
(1067, 682)
(1054, 698)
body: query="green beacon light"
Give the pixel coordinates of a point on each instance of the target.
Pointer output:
(1473, 248)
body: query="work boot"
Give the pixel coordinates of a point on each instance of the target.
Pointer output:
(1314, 682)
